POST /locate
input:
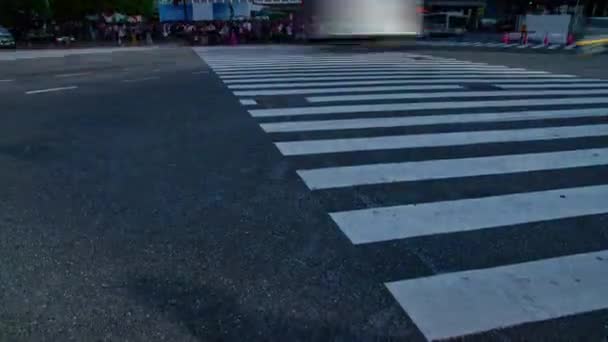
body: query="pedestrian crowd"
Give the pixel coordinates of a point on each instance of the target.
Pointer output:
(234, 32)
(196, 33)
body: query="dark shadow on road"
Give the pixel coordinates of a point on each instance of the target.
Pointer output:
(191, 305)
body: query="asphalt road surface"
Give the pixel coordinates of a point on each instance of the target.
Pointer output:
(298, 193)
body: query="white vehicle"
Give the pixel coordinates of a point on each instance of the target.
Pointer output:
(445, 24)
(337, 19)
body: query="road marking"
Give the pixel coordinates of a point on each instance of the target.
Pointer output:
(439, 76)
(386, 73)
(270, 66)
(156, 70)
(341, 90)
(75, 74)
(453, 94)
(141, 79)
(308, 147)
(6, 81)
(346, 176)
(539, 46)
(535, 86)
(423, 219)
(248, 102)
(570, 47)
(316, 61)
(329, 125)
(462, 303)
(362, 68)
(408, 107)
(49, 90)
(408, 81)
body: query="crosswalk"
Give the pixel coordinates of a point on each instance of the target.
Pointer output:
(494, 45)
(470, 121)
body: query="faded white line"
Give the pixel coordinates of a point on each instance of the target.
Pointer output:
(254, 66)
(308, 147)
(342, 90)
(453, 94)
(387, 73)
(548, 85)
(75, 74)
(387, 107)
(248, 102)
(333, 78)
(450, 305)
(347, 68)
(346, 176)
(141, 79)
(49, 90)
(328, 125)
(409, 81)
(6, 81)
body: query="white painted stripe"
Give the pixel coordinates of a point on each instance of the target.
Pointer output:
(7, 80)
(307, 147)
(555, 46)
(401, 61)
(387, 107)
(313, 78)
(423, 219)
(76, 74)
(248, 102)
(362, 68)
(409, 81)
(275, 67)
(454, 94)
(462, 303)
(49, 90)
(283, 64)
(329, 125)
(141, 79)
(523, 46)
(570, 47)
(386, 73)
(535, 86)
(356, 57)
(539, 46)
(345, 176)
(342, 90)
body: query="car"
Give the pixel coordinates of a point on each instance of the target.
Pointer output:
(6, 39)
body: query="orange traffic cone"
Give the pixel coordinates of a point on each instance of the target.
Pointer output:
(505, 38)
(546, 40)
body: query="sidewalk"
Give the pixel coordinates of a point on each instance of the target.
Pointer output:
(57, 52)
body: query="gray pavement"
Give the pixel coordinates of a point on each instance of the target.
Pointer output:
(148, 204)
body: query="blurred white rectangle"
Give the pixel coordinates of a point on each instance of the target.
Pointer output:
(364, 18)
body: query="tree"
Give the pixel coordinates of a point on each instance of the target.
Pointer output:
(76, 9)
(16, 12)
